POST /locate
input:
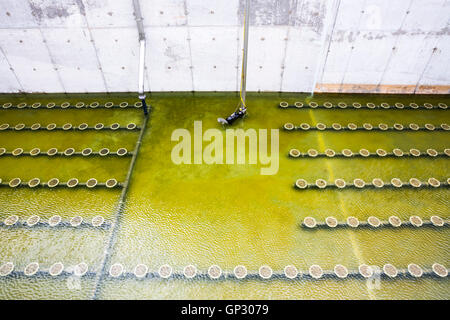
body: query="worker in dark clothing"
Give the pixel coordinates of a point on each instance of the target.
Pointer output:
(239, 113)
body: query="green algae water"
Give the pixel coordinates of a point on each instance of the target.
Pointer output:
(221, 214)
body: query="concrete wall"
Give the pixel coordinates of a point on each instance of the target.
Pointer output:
(294, 45)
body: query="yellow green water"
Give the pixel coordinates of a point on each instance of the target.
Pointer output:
(226, 215)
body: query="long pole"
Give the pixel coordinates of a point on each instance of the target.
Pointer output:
(245, 52)
(140, 27)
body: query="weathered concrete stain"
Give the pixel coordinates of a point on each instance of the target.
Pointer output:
(52, 9)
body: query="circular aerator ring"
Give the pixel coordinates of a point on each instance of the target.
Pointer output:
(31, 269)
(383, 126)
(414, 152)
(398, 126)
(17, 152)
(83, 126)
(328, 105)
(365, 270)
(76, 221)
(51, 126)
(430, 126)
(331, 222)
(123, 104)
(399, 105)
(313, 105)
(56, 269)
(320, 126)
(97, 221)
(86, 152)
(50, 105)
(91, 183)
(340, 183)
(342, 105)
(310, 222)
(53, 182)
(114, 126)
(390, 270)
(116, 270)
(437, 221)
(294, 153)
(52, 151)
(131, 126)
(35, 126)
(414, 182)
(371, 105)
(67, 126)
(165, 271)
(347, 153)
(65, 105)
(22, 105)
(336, 126)
(284, 104)
(385, 105)
(138, 104)
(15, 182)
(398, 152)
(103, 152)
(416, 221)
(414, 105)
(214, 272)
(6, 269)
(265, 272)
(414, 126)
(330, 153)
(432, 153)
(439, 270)
(34, 182)
(321, 183)
(312, 153)
(72, 183)
(4, 126)
(54, 221)
(288, 126)
(445, 127)
(99, 126)
(94, 104)
(395, 221)
(315, 271)
(305, 126)
(80, 269)
(374, 221)
(428, 106)
(447, 152)
(301, 184)
(290, 272)
(396, 182)
(434, 182)
(340, 271)
(111, 183)
(19, 126)
(352, 126)
(33, 220)
(359, 183)
(121, 152)
(298, 104)
(109, 105)
(140, 270)
(190, 271)
(11, 220)
(414, 270)
(381, 152)
(240, 272)
(356, 105)
(364, 153)
(2, 151)
(442, 105)
(69, 151)
(79, 105)
(367, 126)
(7, 105)
(353, 222)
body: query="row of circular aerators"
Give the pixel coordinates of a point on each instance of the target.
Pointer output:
(54, 182)
(357, 105)
(53, 221)
(372, 221)
(312, 153)
(67, 126)
(366, 126)
(239, 272)
(67, 152)
(66, 105)
(377, 183)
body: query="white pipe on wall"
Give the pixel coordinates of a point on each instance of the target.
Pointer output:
(140, 26)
